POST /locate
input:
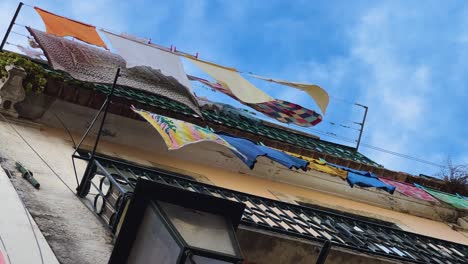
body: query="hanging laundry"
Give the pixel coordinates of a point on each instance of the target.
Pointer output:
(287, 112)
(319, 95)
(251, 151)
(61, 26)
(409, 190)
(177, 133)
(451, 199)
(321, 165)
(368, 181)
(227, 110)
(35, 54)
(231, 80)
(90, 64)
(33, 44)
(138, 53)
(280, 110)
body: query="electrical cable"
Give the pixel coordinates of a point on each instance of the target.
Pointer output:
(20, 34)
(331, 122)
(50, 167)
(66, 129)
(326, 133)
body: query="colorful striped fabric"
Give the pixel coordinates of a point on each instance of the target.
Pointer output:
(177, 133)
(287, 112)
(410, 190)
(451, 199)
(283, 111)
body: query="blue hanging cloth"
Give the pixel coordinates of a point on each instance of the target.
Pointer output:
(365, 179)
(363, 173)
(368, 181)
(251, 151)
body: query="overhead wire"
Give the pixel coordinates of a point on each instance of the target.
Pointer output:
(316, 130)
(331, 122)
(48, 165)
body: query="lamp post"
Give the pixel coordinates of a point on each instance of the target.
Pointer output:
(168, 225)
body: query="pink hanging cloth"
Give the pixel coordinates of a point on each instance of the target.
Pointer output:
(410, 190)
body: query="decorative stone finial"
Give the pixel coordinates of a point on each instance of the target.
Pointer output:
(11, 90)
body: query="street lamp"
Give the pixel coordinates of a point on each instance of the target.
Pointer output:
(168, 225)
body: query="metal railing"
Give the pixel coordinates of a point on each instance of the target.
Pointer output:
(280, 217)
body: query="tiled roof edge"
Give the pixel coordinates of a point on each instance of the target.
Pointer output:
(71, 95)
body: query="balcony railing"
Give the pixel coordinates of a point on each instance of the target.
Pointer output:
(116, 181)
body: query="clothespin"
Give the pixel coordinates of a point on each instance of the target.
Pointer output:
(171, 48)
(175, 49)
(149, 41)
(196, 55)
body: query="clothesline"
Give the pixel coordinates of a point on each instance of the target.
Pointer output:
(332, 122)
(188, 55)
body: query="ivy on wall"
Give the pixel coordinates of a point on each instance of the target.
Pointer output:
(36, 78)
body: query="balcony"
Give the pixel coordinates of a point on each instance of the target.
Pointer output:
(115, 180)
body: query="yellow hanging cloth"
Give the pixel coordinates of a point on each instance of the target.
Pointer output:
(322, 166)
(230, 79)
(316, 92)
(61, 26)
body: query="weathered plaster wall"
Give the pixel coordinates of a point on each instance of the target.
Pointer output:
(136, 141)
(73, 232)
(18, 233)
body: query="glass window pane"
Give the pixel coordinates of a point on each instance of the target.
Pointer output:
(201, 229)
(203, 260)
(153, 243)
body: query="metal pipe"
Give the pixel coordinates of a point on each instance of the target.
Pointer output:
(11, 26)
(84, 186)
(27, 175)
(362, 125)
(89, 128)
(109, 97)
(324, 252)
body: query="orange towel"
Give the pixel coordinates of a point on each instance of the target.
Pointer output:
(62, 26)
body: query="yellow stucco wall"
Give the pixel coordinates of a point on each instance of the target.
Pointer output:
(56, 147)
(264, 187)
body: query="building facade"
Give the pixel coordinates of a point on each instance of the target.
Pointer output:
(289, 214)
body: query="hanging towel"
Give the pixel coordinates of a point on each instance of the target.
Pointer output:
(287, 112)
(35, 54)
(231, 80)
(280, 110)
(409, 190)
(367, 181)
(62, 26)
(451, 199)
(90, 64)
(251, 151)
(177, 133)
(319, 95)
(363, 173)
(321, 165)
(138, 53)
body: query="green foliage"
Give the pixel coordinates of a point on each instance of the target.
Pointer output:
(36, 77)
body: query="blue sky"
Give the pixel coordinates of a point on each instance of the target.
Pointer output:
(406, 60)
